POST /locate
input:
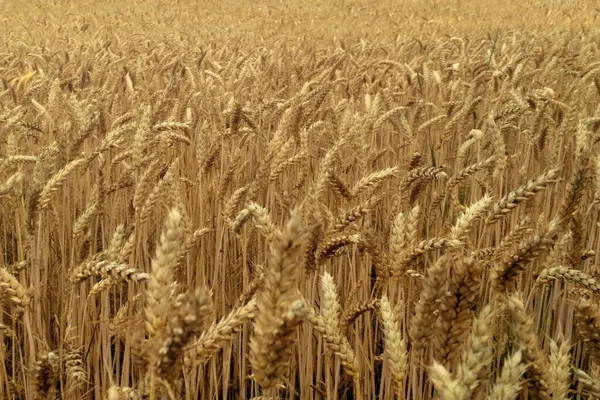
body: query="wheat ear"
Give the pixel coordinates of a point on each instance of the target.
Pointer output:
(395, 346)
(279, 309)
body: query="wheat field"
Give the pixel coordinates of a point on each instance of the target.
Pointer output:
(300, 200)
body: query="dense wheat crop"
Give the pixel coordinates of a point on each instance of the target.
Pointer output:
(299, 200)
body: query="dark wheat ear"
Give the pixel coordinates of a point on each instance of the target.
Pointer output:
(456, 308)
(185, 321)
(425, 315)
(46, 376)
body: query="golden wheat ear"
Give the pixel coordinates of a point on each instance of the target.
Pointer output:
(279, 307)
(159, 289)
(359, 213)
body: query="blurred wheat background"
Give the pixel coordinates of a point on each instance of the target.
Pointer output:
(299, 200)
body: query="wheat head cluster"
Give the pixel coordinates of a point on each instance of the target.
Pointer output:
(412, 218)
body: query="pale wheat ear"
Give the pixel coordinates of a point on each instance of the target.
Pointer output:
(560, 368)
(13, 289)
(161, 281)
(521, 195)
(395, 345)
(510, 381)
(10, 183)
(330, 306)
(591, 384)
(339, 345)
(525, 337)
(467, 218)
(56, 181)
